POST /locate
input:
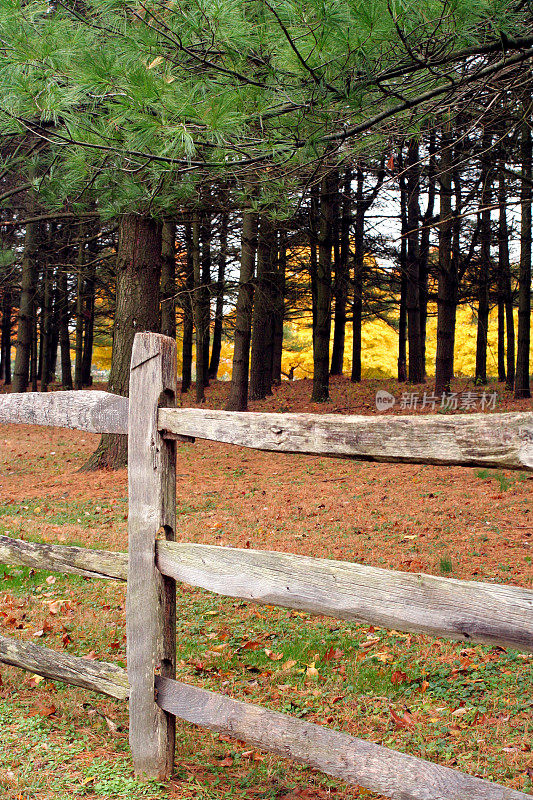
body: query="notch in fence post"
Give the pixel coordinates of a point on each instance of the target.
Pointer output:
(151, 598)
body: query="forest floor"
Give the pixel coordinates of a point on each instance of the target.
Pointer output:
(465, 707)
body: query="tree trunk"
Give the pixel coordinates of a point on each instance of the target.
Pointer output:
(484, 264)
(198, 310)
(279, 313)
(5, 348)
(323, 294)
(238, 396)
(188, 326)
(27, 308)
(424, 249)
(263, 312)
(88, 326)
(314, 222)
(447, 276)
(522, 385)
(414, 331)
(219, 293)
(342, 278)
(168, 279)
(64, 336)
(46, 327)
(359, 264)
(402, 322)
(504, 268)
(205, 242)
(137, 309)
(80, 307)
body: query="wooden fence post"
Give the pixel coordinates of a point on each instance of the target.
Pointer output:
(151, 598)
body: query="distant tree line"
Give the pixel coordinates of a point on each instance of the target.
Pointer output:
(219, 187)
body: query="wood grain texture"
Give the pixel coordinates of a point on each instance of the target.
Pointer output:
(60, 558)
(150, 604)
(464, 610)
(491, 440)
(355, 761)
(99, 676)
(96, 412)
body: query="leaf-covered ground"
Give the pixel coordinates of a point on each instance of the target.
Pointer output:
(467, 707)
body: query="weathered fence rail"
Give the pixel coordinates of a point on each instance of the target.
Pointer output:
(469, 611)
(463, 610)
(485, 440)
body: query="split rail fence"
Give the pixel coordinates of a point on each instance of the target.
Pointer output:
(461, 610)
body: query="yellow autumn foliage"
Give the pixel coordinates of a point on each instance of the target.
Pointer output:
(379, 347)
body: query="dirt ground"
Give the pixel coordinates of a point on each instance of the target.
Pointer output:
(465, 523)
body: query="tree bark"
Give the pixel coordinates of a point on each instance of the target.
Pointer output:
(199, 242)
(447, 274)
(263, 312)
(187, 304)
(137, 309)
(80, 307)
(238, 396)
(46, 327)
(402, 321)
(168, 279)
(5, 348)
(342, 272)
(27, 308)
(279, 312)
(88, 325)
(359, 264)
(323, 294)
(64, 336)
(219, 294)
(425, 247)
(484, 263)
(205, 242)
(522, 385)
(414, 331)
(504, 267)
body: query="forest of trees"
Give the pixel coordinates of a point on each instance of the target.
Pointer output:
(214, 169)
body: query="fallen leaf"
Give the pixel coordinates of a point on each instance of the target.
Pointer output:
(398, 677)
(273, 656)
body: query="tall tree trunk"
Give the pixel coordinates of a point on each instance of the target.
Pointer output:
(7, 311)
(168, 279)
(137, 309)
(188, 324)
(205, 242)
(414, 332)
(34, 362)
(314, 223)
(80, 308)
(263, 312)
(279, 313)
(424, 248)
(27, 307)
(219, 294)
(238, 396)
(504, 268)
(359, 265)
(88, 326)
(198, 310)
(522, 385)
(447, 275)
(342, 277)
(484, 263)
(323, 294)
(402, 321)
(64, 336)
(46, 327)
